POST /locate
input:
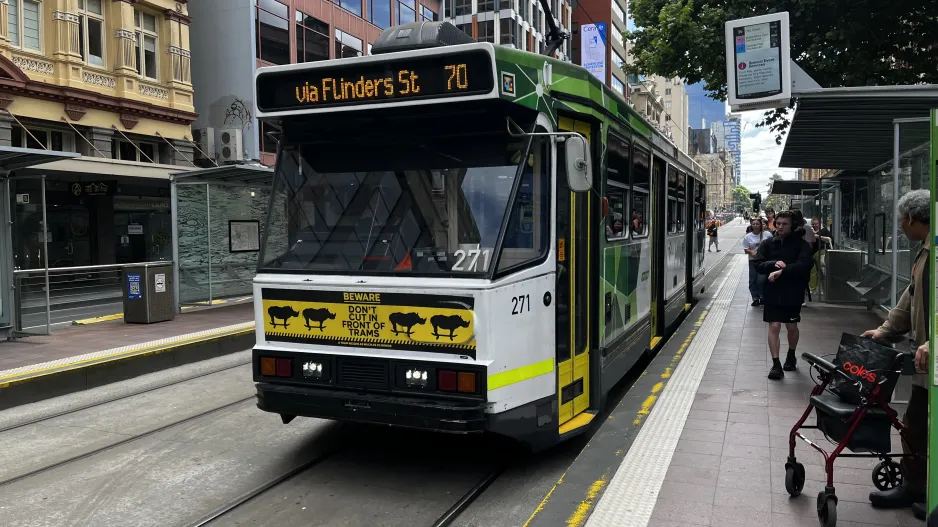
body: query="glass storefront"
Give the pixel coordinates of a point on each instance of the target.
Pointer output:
(90, 222)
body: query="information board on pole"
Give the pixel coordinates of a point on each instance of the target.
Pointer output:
(758, 62)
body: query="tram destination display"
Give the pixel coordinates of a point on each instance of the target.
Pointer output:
(440, 324)
(377, 81)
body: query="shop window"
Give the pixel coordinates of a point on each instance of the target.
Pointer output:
(91, 32)
(24, 23)
(381, 13)
(486, 31)
(125, 151)
(347, 45)
(273, 32)
(641, 179)
(42, 139)
(406, 11)
(427, 15)
(147, 39)
(312, 38)
(463, 7)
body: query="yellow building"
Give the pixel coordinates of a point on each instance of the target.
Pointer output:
(110, 80)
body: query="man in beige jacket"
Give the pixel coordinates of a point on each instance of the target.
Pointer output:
(910, 317)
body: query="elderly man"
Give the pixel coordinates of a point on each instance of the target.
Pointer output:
(910, 316)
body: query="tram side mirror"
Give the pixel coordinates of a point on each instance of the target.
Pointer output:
(579, 165)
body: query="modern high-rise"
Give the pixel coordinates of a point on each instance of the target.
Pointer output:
(232, 38)
(521, 24)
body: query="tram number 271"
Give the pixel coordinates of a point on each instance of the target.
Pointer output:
(469, 260)
(520, 304)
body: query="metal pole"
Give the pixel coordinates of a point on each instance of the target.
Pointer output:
(45, 253)
(894, 279)
(174, 216)
(208, 237)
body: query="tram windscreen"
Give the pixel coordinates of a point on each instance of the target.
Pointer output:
(434, 206)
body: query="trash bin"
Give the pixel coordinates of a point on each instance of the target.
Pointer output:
(148, 293)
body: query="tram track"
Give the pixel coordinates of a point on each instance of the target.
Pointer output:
(120, 398)
(446, 519)
(136, 437)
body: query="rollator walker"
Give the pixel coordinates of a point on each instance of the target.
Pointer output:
(851, 404)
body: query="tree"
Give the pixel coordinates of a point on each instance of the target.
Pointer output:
(741, 198)
(837, 42)
(776, 202)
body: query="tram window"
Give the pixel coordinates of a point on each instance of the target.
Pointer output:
(528, 234)
(615, 220)
(681, 211)
(641, 178)
(672, 214)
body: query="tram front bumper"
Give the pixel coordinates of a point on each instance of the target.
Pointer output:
(411, 412)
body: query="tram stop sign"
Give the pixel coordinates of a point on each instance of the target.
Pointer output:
(758, 62)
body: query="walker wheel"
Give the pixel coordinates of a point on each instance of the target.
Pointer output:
(887, 475)
(827, 509)
(794, 478)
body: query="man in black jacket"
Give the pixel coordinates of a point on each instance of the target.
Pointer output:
(787, 259)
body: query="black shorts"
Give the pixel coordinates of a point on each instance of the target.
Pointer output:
(786, 314)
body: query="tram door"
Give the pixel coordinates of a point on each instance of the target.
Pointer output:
(658, 242)
(573, 292)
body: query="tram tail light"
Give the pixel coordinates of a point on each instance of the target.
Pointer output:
(451, 381)
(276, 367)
(268, 367)
(284, 368)
(447, 381)
(467, 382)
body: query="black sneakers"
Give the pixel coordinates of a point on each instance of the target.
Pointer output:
(776, 372)
(790, 363)
(755, 303)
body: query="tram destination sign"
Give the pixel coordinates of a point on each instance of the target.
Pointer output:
(376, 81)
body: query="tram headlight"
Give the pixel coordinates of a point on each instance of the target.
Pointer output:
(416, 377)
(312, 370)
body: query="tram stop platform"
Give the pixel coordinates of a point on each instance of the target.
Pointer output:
(701, 438)
(84, 356)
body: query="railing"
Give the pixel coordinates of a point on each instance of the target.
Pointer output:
(74, 293)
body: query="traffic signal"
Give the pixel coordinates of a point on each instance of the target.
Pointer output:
(756, 200)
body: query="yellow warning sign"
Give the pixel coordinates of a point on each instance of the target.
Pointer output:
(369, 319)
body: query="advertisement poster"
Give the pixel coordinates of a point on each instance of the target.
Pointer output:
(593, 49)
(758, 60)
(133, 286)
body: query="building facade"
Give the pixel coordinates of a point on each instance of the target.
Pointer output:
(676, 111)
(702, 141)
(719, 187)
(521, 24)
(280, 32)
(110, 80)
(814, 174)
(703, 110)
(610, 15)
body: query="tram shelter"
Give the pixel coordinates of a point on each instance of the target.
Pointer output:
(219, 216)
(15, 159)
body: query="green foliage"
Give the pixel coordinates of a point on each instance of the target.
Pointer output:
(776, 202)
(837, 42)
(741, 198)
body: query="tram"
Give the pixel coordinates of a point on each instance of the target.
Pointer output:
(465, 238)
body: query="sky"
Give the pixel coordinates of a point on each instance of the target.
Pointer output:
(760, 154)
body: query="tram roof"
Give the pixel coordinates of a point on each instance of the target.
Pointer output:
(852, 128)
(228, 175)
(14, 158)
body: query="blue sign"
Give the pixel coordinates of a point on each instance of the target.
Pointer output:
(133, 286)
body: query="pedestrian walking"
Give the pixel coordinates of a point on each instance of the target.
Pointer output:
(712, 229)
(751, 243)
(786, 259)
